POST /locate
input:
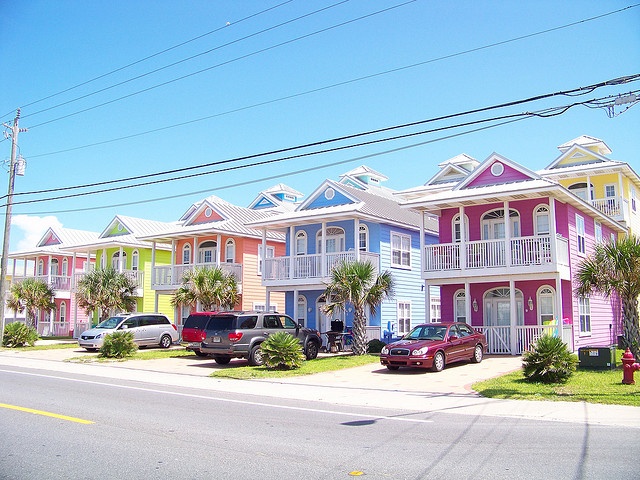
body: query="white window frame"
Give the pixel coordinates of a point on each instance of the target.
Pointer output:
(301, 242)
(54, 271)
(542, 211)
(363, 238)
(436, 310)
(117, 262)
(271, 251)
(135, 260)
(598, 231)
(262, 307)
(63, 311)
(455, 229)
(400, 245)
(460, 299)
(186, 254)
(403, 314)
(580, 235)
(230, 251)
(584, 314)
(301, 310)
(205, 249)
(545, 291)
(40, 271)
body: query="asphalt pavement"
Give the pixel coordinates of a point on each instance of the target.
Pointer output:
(371, 385)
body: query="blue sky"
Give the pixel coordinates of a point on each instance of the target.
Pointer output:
(279, 77)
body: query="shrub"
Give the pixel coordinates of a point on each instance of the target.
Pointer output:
(17, 334)
(282, 351)
(375, 346)
(549, 361)
(118, 345)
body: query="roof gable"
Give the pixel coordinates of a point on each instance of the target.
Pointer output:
(262, 201)
(329, 194)
(205, 213)
(577, 155)
(115, 228)
(49, 238)
(497, 170)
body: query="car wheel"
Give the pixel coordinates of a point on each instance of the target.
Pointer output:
(165, 341)
(312, 350)
(438, 362)
(393, 367)
(477, 354)
(255, 357)
(199, 353)
(222, 359)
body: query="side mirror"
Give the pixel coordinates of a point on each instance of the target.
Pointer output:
(452, 338)
(123, 327)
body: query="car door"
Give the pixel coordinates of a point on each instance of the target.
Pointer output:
(455, 345)
(468, 342)
(291, 327)
(132, 325)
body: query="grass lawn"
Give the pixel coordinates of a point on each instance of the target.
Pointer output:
(585, 385)
(319, 365)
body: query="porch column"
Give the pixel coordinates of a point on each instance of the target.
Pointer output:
(422, 260)
(48, 273)
(513, 314)
(467, 302)
(427, 302)
(174, 246)
(558, 307)
(121, 264)
(463, 241)
(292, 250)
(104, 258)
(267, 301)
(619, 199)
(195, 251)
(507, 234)
(323, 247)
(218, 249)
(356, 234)
(294, 314)
(552, 230)
(264, 251)
(155, 301)
(590, 194)
(153, 263)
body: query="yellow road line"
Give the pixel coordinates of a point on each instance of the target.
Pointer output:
(46, 414)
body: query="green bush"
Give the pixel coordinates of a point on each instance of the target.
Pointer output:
(375, 346)
(548, 361)
(17, 334)
(118, 345)
(282, 351)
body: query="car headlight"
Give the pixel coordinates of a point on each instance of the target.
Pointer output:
(385, 351)
(420, 351)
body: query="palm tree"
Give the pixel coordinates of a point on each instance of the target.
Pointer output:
(31, 295)
(614, 269)
(356, 283)
(213, 288)
(104, 290)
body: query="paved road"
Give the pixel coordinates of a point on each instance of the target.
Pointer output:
(367, 386)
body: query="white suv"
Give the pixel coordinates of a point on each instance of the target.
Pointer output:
(147, 329)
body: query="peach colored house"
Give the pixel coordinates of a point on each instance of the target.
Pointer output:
(213, 233)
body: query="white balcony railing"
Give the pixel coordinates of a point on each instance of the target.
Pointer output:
(56, 282)
(482, 254)
(300, 267)
(136, 276)
(171, 275)
(614, 207)
(500, 341)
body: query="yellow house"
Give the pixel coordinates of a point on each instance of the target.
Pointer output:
(118, 246)
(611, 186)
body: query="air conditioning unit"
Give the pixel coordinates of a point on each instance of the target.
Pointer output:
(597, 357)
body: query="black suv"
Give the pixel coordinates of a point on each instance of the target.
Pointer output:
(239, 335)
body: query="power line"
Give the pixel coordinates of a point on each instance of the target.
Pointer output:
(548, 112)
(571, 92)
(227, 62)
(286, 174)
(148, 57)
(346, 82)
(187, 58)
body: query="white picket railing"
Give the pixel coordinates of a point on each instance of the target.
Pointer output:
(499, 337)
(171, 275)
(311, 266)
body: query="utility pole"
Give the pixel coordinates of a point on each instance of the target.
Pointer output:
(14, 130)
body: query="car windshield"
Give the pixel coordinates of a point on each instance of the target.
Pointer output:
(111, 322)
(426, 332)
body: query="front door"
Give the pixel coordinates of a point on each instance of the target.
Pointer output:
(497, 317)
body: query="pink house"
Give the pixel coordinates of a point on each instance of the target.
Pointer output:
(509, 245)
(52, 262)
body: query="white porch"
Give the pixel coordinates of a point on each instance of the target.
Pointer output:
(169, 277)
(515, 339)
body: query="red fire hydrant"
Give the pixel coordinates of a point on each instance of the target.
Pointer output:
(629, 365)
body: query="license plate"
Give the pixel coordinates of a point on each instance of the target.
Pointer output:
(216, 339)
(593, 353)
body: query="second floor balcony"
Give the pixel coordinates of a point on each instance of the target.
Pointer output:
(314, 268)
(136, 276)
(496, 257)
(169, 277)
(616, 208)
(59, 283)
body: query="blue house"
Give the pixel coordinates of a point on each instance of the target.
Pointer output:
(348, 220)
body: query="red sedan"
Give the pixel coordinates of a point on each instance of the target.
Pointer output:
(434, 345)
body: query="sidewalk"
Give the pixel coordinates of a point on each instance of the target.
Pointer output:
(371, 385)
